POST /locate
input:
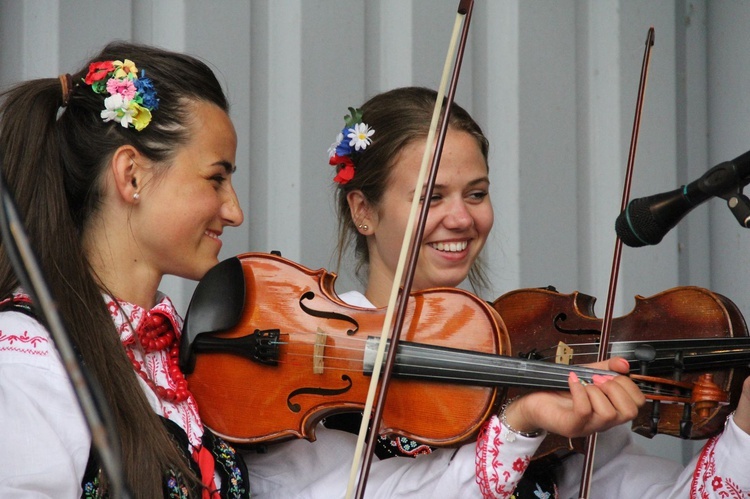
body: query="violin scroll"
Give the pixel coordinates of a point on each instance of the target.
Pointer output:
(707, 396)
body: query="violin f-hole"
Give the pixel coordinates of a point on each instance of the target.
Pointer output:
(310, 295)
(323, 392)
(562, 317)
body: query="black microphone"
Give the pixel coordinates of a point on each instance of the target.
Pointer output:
(647, 220)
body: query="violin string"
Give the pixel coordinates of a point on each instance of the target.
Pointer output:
(551, 373)
(519, 381)
(645, 388)
(701, 357)
(705, 360)
(426, 353)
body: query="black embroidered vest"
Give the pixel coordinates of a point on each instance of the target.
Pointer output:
(229, 466)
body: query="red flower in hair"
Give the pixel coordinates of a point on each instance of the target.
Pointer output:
(345, 168)
(98, 71)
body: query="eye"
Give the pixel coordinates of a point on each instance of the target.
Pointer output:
(434, 199)
(218, 179)
(478, 196)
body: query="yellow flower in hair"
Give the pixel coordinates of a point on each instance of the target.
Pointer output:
(125, 68)
(142, 116)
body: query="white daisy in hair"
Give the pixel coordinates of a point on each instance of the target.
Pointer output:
(360, 135)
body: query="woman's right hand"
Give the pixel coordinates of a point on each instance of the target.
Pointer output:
(608, 402)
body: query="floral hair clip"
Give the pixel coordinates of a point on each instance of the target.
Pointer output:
(352, 139)
(131, 98)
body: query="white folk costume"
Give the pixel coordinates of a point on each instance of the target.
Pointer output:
(493, 466)
(43, 424)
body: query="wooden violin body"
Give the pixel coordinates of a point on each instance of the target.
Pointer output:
(693, 332)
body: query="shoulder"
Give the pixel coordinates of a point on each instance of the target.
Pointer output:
(41, 419)
(23, 340)
(356, 299)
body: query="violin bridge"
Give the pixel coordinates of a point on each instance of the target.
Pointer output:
(319, 352)
(564, 354)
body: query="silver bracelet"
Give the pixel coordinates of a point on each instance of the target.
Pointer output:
(513, 432)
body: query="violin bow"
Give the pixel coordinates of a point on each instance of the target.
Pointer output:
(588, 460)
(463, 16)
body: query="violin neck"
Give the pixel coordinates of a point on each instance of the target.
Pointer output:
(696, 354)
(451, 365)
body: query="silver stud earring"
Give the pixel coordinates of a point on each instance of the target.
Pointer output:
(136, 196)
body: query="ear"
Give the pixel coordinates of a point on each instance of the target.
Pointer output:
(127, 173)
(363, 216)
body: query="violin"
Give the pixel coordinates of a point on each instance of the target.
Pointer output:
(269, 350)
(686, 332)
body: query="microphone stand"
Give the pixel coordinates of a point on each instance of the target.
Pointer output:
(25, 265)
(726, 181)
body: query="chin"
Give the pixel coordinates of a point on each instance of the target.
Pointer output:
(442, 283)
(200, 270)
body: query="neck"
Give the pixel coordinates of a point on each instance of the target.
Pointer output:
(378, 290)
(119, 267)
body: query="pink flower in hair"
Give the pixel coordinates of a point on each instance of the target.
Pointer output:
(122, 87)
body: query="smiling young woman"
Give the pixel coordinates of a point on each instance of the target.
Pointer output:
(459, 221)
(373, 199)
(123, 173)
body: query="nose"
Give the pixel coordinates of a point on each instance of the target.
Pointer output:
(458, 216)
(231, 212)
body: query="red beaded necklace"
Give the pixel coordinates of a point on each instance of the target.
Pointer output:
(156, 333)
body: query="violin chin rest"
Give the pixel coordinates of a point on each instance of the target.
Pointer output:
(216, 305)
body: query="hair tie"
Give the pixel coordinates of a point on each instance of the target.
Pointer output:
(66, 82)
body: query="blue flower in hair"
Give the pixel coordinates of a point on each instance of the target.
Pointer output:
(146, 92)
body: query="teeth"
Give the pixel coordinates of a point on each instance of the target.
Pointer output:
(212, 235)
(451, 247)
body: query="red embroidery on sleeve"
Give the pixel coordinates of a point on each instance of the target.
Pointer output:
(495, 478)
(706, 483)
(34, 345)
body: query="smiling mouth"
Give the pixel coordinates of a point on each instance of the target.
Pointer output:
(211, 234)
(454, 247)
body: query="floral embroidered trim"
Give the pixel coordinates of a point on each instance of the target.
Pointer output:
(24, 339)
(34, 345)
(706, 483)
(402, 446)
(496, 476)
(175, 487)
(131, 98)
(92, 489)
(226, 457)
(341, 151)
